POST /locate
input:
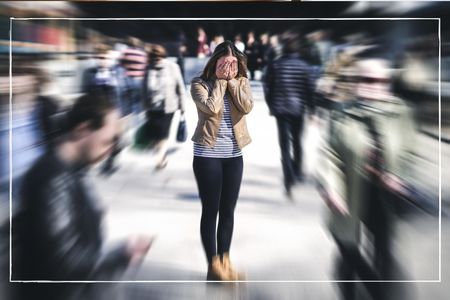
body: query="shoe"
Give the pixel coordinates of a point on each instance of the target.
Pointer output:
(216, 272)
(232, 274)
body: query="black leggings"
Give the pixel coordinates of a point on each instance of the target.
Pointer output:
(218, 181)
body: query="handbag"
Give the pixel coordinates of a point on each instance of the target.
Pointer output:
(182, 130)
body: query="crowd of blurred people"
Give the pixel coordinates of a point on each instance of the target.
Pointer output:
(366, 160)
(259, 49)
(130, 95)
(141, 81)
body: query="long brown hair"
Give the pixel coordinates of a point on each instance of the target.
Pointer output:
(223, 49)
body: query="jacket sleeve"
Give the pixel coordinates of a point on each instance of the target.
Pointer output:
(208, 102)
(76, 256)
(241, 94)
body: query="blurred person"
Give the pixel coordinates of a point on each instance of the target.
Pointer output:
(264, 45)
(337, 83)
(289, 92)
(110, 78)
(182, 50)
(323, 44)
(34, 115)
(310, 53)
(252, 51)
(102, 75)
(134, 60)
(367, 163)
(217, 39)
(46, 111)
(57, 233)
(351, 41)
(391, 128)
(164, 94)
(202, 46)
(272, 52)
(223, 97)
(275, 49)
(238, 43)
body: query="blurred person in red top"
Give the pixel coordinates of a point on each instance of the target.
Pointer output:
(202, 39)
(134, 60)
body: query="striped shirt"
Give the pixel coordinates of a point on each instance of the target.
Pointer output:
(135, 62)
(226, 145)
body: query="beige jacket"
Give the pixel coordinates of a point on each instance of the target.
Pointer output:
(208, 97)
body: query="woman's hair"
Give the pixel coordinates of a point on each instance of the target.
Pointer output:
(223, 49)
(155, 53)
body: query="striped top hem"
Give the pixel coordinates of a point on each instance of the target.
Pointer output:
(226, 145)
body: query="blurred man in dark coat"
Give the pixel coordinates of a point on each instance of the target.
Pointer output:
(289, 92)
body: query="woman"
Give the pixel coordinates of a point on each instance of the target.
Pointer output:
(223, 98)
(164, 93)
(252, 51)
(202, 39)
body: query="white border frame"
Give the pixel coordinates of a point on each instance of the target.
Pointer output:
(222, 19)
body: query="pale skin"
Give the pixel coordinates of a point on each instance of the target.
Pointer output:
(227, 67)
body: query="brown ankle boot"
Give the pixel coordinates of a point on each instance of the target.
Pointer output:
(216, 270)
(229, 269)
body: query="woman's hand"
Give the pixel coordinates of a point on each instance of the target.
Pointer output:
(222, 69)
(226, 67)
(233, 70)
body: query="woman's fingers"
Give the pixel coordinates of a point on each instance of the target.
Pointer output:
(231, 59)
(233, 70)
(226, 65)
(227, 68)
(220, 69)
